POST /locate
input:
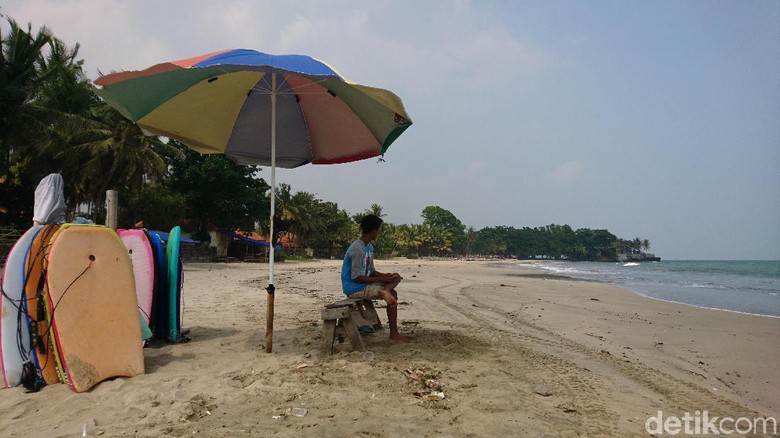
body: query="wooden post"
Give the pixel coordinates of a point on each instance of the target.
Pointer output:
(112, 208)
(328, 333)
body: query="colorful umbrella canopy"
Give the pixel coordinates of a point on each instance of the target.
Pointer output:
(272, 110)
(221, 103)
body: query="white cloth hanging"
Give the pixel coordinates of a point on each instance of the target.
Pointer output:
(49, 201)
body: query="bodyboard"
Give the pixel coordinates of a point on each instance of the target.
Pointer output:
(90, 294)
(13, 327)
(41, 350)
(159, 319)
(173, 252)
(140, 250)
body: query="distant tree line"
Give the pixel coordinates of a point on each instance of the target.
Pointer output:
(442, 234)
(51, 121)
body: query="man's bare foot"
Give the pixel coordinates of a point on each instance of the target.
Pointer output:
(398, 339)
(388, 297)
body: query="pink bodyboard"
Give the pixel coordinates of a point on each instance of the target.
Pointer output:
(140, 250)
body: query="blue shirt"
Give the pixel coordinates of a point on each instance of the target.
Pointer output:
(358, 260)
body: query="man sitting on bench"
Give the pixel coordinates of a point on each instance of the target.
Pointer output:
(359, 279)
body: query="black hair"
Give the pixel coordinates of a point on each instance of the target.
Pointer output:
(369, 223)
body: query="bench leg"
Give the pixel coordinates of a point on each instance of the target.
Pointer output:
(341, 334)
(354, 335)
(369, 313)
(328, 334)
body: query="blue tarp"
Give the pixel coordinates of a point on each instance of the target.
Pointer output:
(249, 240)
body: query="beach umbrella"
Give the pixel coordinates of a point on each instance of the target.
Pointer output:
(271, 110)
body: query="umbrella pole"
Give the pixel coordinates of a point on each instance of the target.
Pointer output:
(269, 317)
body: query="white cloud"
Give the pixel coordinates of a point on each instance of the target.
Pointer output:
(451, 45)
(568, 171)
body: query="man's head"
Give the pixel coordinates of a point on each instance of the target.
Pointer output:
(370, 224)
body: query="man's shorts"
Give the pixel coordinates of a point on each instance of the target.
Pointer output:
(371, 292)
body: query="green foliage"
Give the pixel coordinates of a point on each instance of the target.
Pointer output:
(448, 234)
(551, 242)
(21, 75)
(315, 224)
(334, 230)
(52, 122)
(16, 208)
(414, 240)
(157, 205)
(386, 244)
(375, 209)
(219, 193)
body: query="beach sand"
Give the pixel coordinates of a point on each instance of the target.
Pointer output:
(515, 354)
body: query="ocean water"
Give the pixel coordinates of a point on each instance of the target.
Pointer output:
(739, 286)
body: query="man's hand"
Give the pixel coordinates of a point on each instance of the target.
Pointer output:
(379, 277)
(389, 278)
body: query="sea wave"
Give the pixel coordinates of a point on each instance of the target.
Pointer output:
(746, 287)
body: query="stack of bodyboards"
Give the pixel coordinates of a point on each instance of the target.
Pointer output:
(158, 280)
(77, 298)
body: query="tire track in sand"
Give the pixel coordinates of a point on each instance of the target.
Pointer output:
(580, 385)
(682, 395)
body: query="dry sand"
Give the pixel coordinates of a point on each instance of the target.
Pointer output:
(515, 355)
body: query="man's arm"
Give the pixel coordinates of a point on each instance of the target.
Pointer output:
(387, 278)
(377, 277)
(373, 278)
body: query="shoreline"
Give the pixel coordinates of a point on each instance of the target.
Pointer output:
(701, 307)
(643, 295)
(636, 291)
(513, 355)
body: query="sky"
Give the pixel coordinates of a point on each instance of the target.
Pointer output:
(652, 119)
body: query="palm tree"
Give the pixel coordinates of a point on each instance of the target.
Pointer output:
(409, 239)
(68, 130)
(306, 221)
(376, 210)
(580, 251)
(20, 77)
(120, 156)
(440, 239)
(471, 240)
(284, 206)
(436, 239)
(336, 232)
(284, 212)
(636, 244)
(60, 112)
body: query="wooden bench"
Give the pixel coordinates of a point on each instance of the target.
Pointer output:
(342, 319)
